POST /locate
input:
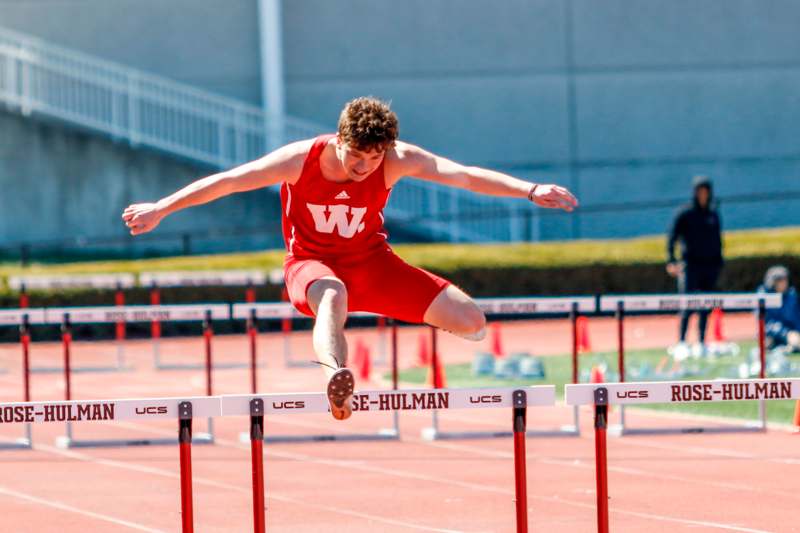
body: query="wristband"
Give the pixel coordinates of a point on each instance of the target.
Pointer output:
(533, 190)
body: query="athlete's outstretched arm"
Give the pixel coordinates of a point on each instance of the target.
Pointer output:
(414, 161)
(284, 164)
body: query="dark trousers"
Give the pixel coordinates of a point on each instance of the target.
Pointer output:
(697, 278)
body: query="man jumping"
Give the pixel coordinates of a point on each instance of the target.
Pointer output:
(333, 192)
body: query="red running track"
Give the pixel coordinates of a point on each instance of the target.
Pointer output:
(745, 482)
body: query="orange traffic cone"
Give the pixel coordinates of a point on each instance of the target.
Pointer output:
(717, 334)
(423, 352)
(354, 360)
(597, 375)
(582, 335)
(437, 379)
(364, 368)
(497, 341)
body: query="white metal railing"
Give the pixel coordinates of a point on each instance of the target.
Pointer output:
(125, 103)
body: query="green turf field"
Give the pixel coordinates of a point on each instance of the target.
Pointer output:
(558, 372)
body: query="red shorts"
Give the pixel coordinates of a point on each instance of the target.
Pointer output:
(380, 283)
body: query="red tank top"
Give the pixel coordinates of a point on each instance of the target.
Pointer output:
(322, 218)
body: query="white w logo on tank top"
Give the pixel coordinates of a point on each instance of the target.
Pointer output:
(337, 218)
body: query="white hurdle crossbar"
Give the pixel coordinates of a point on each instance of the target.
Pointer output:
(661, 303)
(570, 306)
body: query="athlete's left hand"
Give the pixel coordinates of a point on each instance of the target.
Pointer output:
(554, 196)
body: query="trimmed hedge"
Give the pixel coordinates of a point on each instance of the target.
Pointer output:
(739, 275)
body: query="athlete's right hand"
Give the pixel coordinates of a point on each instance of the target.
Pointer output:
(141, 218)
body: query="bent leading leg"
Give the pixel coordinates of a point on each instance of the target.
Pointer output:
(452, 310)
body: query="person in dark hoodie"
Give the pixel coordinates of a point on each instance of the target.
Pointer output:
(783, 324)
(698, 227)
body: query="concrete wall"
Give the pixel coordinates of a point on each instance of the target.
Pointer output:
(622, 100)
(58, 183)
(211, 44)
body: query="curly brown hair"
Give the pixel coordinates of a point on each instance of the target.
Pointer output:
(368, 123)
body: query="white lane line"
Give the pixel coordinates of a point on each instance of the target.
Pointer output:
(576, 463)
(718, 452)
(226, 486)
(429, 478)
(70, 509)
(500, 454)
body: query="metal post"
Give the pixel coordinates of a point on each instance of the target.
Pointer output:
(66, 341)
(257, 460)
(155, 325)
(208, 332)
(520, 402)
(185, 444)
(252, 333)
(24, 301)
(621, 354)
(762, 355)
(395, 376)
(601, 460)
(573, 318)
(25, 341)
(436, 379)
(119, 337)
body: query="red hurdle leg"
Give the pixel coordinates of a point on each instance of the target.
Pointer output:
(119, 301)
(208, 333)
(24, 301)
(621, 340)
(185, 444)
(762, 350)
(25, 341)
(155, 325)
(573, 318)
(257, 458)
(394, 355)
(601, 461)
(252, 333)
(520, 475)
(66, 341)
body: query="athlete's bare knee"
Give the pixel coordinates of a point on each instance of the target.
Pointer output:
(456, 312)
(330, 291)
(472, 321)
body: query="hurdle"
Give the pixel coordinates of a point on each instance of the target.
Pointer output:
(204, 278)
(572, 307)
(661, 303)
(23, 318)
(117, 282)
(67, 316)
(677, 392)
(280, 311)
(518, 399)
(184, 410)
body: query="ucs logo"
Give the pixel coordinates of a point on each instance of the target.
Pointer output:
(289, 405)
(152, 410)
(633, 394)
(486, 399)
